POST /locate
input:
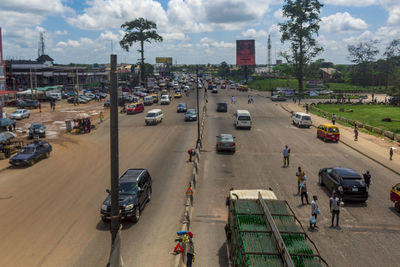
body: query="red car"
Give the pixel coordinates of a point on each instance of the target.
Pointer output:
(13, 103)
(135, 108)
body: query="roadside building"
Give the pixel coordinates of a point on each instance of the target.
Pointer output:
(326, 74)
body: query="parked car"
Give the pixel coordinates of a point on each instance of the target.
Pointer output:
(222, 107)
(191, 115)
(345, 181)
(19, 114)
(13, 103)
(37, 128)
(278, 98)
(107, 103)
(78, 99)
(328, 132)
(31, 153)
(394, 100)
(395, 196)
(135, 108)
(135, 188)
(182, 107)
(225, 142)
(29, 103)
(301, 119)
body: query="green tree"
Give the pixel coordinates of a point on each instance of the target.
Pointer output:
(299, 30)
(392, 56)
(223, 70)
(139, 30)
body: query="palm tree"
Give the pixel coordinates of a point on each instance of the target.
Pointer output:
(139, 30)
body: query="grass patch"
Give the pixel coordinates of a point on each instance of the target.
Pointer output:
(368, 114)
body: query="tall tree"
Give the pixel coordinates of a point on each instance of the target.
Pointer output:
(392, 56)
(300, 28)
(363, 54)
(223, 69)
(139, 30)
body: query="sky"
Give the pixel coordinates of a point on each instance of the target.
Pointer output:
(194, 31)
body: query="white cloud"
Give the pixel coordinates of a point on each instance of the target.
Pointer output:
(342, 23)
(175, 36)
(279, 15)
(42, 7)
(356, 3)
(208, 42)
(109, 36)
(252, 33)
(58, 32)
(394, 15)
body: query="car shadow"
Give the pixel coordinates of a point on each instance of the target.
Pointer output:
(225, 152)
(223, 255)
(355, 204)
(393, 209)
(106, 226)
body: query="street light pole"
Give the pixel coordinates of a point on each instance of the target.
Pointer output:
(198, 144)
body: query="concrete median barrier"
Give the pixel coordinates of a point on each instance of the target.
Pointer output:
(389, 134)
(377, 130)
(368, 127)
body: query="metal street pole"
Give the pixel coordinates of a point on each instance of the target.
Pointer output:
(198, 144)
(114, 149)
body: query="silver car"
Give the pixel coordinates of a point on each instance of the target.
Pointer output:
(19, 114)
(226, 142)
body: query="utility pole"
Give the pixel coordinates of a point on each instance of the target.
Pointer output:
(114, 149)
(77, 86)
(198, 144)
(30, 75)
(269, 63)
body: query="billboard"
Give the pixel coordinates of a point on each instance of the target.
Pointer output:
(164, 60)
(245, 52)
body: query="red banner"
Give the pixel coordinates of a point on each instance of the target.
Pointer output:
(245, 52)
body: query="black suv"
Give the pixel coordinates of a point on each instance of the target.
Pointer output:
(345, 181)
(134, 193)
(222, 107)
(28, 103)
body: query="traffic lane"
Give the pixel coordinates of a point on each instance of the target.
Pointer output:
(261, 157)
(61, 219)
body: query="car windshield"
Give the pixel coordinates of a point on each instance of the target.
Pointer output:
(151, 114)
(226, 138)
(36, 126)
(181, 105)
(306, 118)
(132, 106)
(351, 178)
(127, 188)
(244, 118)
(18, 111)
(191, 112)
(28, 150)
(222, 104)
(333, 130)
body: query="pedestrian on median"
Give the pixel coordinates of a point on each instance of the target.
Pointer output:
(355, 133)
(333, 118)
(314, 212)
(367, 179)
(391, 153)
(40, 108)
(334, 207)
(303, 190)
(190, 255)
(101, 116)
(300, 174)
(286, 155)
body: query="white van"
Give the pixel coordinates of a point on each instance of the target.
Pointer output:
(154, 116)
(148, 100)
(54, 95)
(165, 100)
(301, 119)
(242, 119)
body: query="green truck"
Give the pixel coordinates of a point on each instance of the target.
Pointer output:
(264, 231)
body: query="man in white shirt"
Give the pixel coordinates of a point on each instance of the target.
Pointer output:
(286, 154)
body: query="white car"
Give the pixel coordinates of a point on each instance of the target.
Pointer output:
(165, 100)
(19, 114)
(301, 119)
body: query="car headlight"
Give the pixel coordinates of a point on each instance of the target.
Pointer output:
(129, 207)
(104, 207)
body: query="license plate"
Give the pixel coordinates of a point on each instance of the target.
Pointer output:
(354, 189)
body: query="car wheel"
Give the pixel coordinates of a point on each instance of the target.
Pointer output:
(136, 217)
(104, 219)
(30, 162)
(320, 180)
(148, 195)
(324, 139)
(47, 154)
(147, 123)
(397, 206)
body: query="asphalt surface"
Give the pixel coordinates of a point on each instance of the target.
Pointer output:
(369, 231)
(51, 210)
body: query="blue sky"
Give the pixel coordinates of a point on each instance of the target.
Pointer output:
(194, 31)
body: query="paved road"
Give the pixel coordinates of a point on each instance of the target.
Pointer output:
(369, 232)
(51, 210)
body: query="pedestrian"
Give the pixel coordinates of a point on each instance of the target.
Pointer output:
(190, 255)
(101, 116)
(252, 99)
(13, 127)
(334, 207)
(40, 108)
(385, 100)
(303, 190)
(333, 118)
(355, 133)
(286, 155)
(373, 97)
(51, 104)
(299, 99)
(233, 100)
(54, 106)
(248, 99)
(314, 212)
(391, 153)
(300, 174)
(367, 179)
(191, 153)
(89, 123)
(307, 108)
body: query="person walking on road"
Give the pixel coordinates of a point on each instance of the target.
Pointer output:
(307, 108)
(303, 190)
(391, 153)
(355, 133)
(190, 250)
(335, 210)
(233, 100)
(333, 118)
(314, 212)
(367, 179)
(300, 174)
(248, 99)
(54, 106)
(101, 116)
(286, 155)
